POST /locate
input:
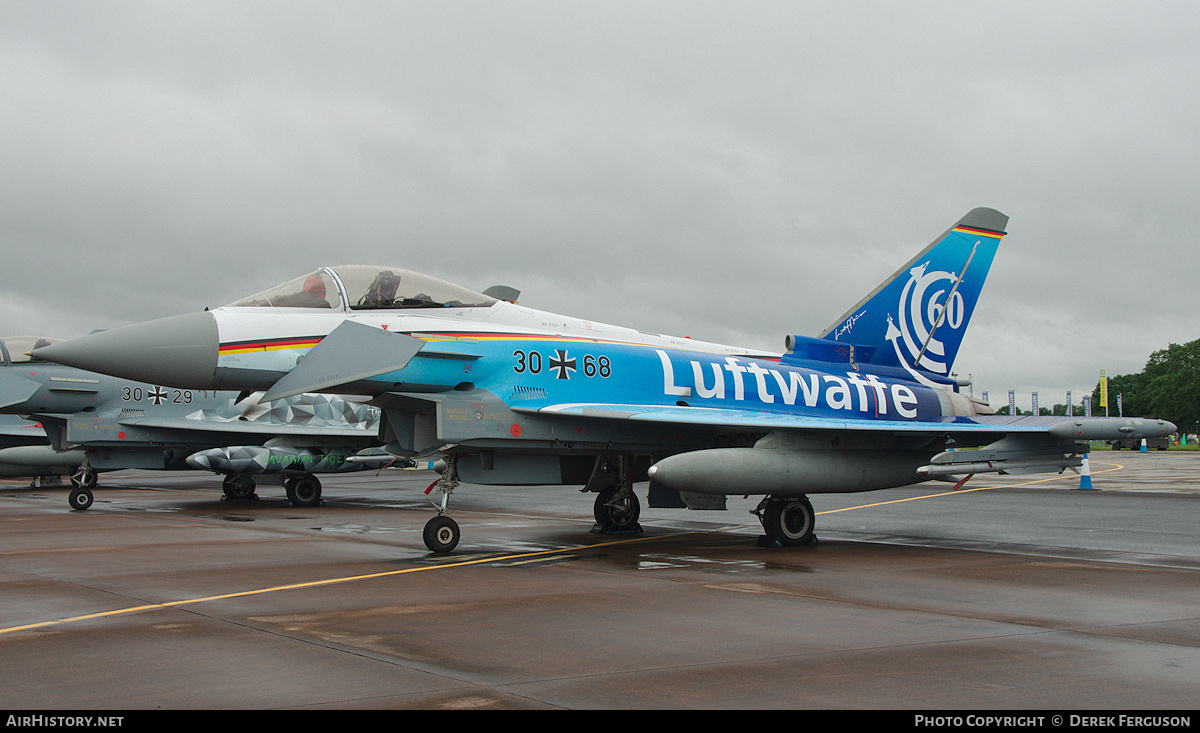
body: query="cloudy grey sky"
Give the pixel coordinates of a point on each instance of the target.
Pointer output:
(728, 171)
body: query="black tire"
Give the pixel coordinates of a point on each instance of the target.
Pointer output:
(441, 534)
(790, 521)
(237, 488)
(304, 491)
(80, 498)
(619, 516)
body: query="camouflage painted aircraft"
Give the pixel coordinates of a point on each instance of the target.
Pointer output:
(94, 423)
(510, 395)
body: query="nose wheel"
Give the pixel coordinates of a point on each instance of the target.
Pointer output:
(441, 534)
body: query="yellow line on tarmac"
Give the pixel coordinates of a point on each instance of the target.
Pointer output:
(1115, 467)
(317, 584)
(464, 563)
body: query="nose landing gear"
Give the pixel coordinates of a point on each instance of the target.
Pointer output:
(83, 481)
(441, 533)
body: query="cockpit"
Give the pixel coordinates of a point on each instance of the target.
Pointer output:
(365, 287)
(15, 349)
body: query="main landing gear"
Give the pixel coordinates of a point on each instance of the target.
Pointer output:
(303, 490)
(617, 508)
(788, 521)
(239, 487)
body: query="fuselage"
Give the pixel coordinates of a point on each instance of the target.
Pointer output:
(472, 341)
(533, 357)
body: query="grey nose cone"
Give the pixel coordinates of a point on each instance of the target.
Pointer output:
(180, 351)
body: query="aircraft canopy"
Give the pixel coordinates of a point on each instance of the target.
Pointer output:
(15, 349)
(362, 287)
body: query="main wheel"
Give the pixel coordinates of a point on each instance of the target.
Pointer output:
(441, 534)
(617, 514)
(84, 478)
(80, 498)
(237, 488)
(790, 521)
(304, 491)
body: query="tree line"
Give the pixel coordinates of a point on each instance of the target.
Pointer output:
(1168, 388)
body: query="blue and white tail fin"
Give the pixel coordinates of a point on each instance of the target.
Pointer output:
(916, 319)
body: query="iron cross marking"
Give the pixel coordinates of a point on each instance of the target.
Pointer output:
(562, 363)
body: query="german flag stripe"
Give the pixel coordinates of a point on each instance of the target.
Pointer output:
(307, 342)
(239, 347)
(243, 347)
(979, 232)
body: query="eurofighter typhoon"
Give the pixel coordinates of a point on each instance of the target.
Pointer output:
(508, 395)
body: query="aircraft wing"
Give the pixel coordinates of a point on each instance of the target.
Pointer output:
(12, 426)
(249, 427)
(1012, 445)
(1059, 427)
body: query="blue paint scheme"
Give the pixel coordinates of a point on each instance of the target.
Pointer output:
(571, 371)
(908, 316)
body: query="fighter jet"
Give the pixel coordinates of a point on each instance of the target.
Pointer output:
(511, 395)
(93, 423)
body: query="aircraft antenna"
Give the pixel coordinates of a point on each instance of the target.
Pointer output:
(946, 307)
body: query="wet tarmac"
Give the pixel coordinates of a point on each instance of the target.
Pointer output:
(1012, 593)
